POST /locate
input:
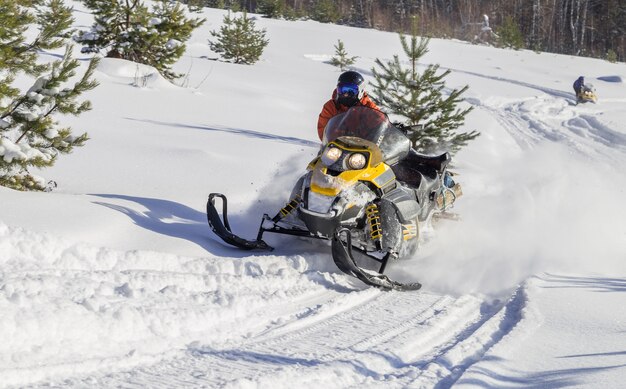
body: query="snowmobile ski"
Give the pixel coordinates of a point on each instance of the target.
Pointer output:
(342, 255)
(221, 227)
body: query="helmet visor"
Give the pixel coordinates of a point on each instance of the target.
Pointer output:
(348, 89)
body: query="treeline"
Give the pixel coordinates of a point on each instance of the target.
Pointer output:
(595, 28)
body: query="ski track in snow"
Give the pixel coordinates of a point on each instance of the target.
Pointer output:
(180, 322)
(426, 340)
(548, 91)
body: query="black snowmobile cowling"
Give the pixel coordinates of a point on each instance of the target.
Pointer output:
(366, 191)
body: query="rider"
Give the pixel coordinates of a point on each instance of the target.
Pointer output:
(579, 84)
(350, 91)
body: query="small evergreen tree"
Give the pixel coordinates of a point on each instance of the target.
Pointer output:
(276, 9)
(325, 11)
(510, 34)
(238, 40)
(611, 56)
(291, 13)
(419, 99)
(132, 31)
(29, 135)
(271, 8)
(341, 58)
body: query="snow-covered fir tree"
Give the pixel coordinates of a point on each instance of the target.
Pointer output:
(341, 58)
(430, 116)
(29, 134)
(238, 40)
(131, 30)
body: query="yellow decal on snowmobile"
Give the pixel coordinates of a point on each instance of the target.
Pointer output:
(325, 184)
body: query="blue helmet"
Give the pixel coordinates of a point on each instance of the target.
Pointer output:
(350, 88)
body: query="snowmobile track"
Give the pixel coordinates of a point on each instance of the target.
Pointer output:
(361, 338)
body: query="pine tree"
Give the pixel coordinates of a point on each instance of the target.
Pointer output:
(325, 11)
(271, 8)
(132, 31)
(510, 34)
(29, 134)
(418, 98)
(611, 56)
(238, 40)
(276, 9)
(341, 58)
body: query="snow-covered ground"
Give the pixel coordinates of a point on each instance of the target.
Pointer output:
(115, 280)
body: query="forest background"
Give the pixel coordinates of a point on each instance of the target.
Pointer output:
(594, 28)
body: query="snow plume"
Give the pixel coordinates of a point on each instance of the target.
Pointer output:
(271, 197)
(547, 210)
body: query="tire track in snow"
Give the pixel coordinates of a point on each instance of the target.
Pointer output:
(590, 126)
(208, 367)
(369, 338)
(531, 122)
(549, 91)
(444, 370)
(318, 341)
(554, 118)
(516, 127)
(134, 307)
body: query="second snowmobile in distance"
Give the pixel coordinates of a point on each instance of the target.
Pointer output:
(587, 94)
(366, 191)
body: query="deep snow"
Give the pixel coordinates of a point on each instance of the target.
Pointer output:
(115, 280)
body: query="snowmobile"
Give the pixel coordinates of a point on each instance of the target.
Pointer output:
(366, 191)
(587, 94)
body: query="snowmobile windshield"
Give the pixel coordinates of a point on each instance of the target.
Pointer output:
(372, 125)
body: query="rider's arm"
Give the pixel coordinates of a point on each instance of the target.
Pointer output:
(328, 111)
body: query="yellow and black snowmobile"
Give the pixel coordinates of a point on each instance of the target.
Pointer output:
(366, 191)
(587, 94)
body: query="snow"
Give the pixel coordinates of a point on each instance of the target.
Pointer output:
(114, 279)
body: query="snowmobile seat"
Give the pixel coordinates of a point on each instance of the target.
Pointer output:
(410, 175)
(436, 162)
(415, 165)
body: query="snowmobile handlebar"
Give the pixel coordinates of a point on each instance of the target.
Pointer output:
(408, 128)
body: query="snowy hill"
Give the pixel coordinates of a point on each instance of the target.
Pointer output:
(115, 280)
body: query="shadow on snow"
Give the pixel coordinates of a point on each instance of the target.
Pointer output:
(547, 379)
(176, 220)
(600, 284)
(238, 131)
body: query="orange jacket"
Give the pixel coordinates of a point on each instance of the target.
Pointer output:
(332, 108)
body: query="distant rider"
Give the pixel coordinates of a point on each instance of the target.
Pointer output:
(350, 91)
(579, 84)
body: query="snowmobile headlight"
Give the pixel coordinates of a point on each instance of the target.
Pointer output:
(357, 161)
(331, 155)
